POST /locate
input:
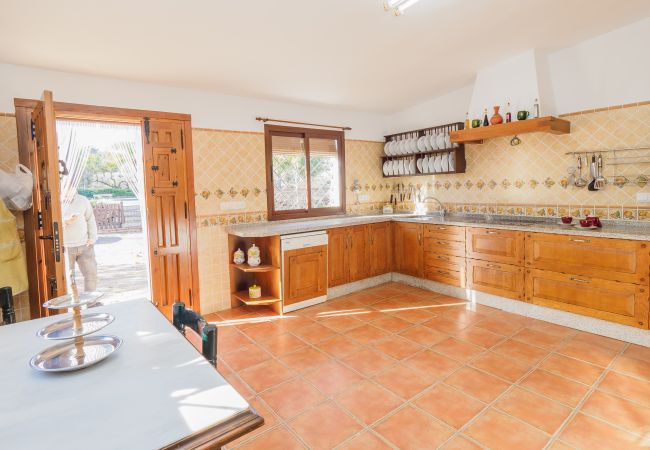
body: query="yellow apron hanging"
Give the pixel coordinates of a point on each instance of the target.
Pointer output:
(13, 270)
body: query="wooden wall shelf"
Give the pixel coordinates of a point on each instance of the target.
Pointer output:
(243, 297)
(259, 269)
(547, 124)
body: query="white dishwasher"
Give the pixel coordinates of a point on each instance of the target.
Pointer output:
(304, 270)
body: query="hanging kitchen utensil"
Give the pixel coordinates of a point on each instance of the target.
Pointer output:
(580, 182)
(572, 174)
(592, 172)
(600, 181)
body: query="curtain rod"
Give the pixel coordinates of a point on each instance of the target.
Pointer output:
(266, 119)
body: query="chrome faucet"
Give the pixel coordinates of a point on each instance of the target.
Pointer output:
(443, 210)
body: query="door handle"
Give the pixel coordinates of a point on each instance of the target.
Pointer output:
(494, 266)
(491, 232)
(444, 258)
(579, 280)
(586, 241)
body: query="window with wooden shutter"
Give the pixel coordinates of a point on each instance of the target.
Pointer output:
(305, 172)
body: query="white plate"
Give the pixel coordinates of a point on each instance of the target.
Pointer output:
(437, 164)
(384, 169)
(452, 162)
(444, 164)
(447, 140)
(440, 140)
(425, 164)
(419, 164)
(421, 145)
(433, 140)
(386, 146)
(427, 143)
(431, 164)
(412, 167)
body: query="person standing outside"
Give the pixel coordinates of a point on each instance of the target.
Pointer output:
(79, 237)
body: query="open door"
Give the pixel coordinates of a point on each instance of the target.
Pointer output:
(50, 266)
(168, 210)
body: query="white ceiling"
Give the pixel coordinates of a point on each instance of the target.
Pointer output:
(348, 53)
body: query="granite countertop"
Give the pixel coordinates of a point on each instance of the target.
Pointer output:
(611, 229)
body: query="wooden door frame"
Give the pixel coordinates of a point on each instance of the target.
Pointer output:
(24, 108)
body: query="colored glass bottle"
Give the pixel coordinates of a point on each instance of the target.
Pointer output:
(467, 121)
(486, 122)
(508, 114)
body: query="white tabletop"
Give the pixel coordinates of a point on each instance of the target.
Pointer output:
(153, 391)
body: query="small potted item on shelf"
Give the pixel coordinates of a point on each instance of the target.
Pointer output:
(254, 256)
(476, 123)
(522, 115)
(496, 118)
(254, 291)
(238, 257)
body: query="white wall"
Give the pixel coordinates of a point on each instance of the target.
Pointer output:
(610, 69)
(208, 109)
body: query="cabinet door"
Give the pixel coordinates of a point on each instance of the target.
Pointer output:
(496, 278)
(408, 248)
(444, 247)
(614, 301)
(380, 248)
(337, 256)
(501, 246)
(358, 252)
(445, 232)
(610, 259)
(305, 274)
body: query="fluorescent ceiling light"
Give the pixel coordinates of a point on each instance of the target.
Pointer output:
(398, 6)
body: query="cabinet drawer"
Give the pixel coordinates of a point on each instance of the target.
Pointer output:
(446, 276)
(447, 232)
(444, 246)
(614, 301)
(609, 259)
(456, 263)
(496, 278)
(502, 246)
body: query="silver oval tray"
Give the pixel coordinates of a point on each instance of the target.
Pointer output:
(64, 329)
(66, 301)
(63, 357)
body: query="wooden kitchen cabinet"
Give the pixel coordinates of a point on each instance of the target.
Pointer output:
(408, 248)
(304, 274)
(444, 254)
(337, 256)
(624, 303)
(496, 278)
(380, 249)
(358, 243)
(500, 246)
(609, 259)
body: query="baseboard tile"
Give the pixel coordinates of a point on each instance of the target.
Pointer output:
(355, 286)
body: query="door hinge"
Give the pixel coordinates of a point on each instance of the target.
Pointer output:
(33, 126)
(53, 286)
(182, 139)
(146, 129)
(190, 296)
(39, 219)
(186, 210)
(175, 183)
(173, 150)
(153, 191)
(155, 168)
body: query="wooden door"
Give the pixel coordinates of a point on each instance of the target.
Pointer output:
(496, 278)
(502, 246)
(408, 248)
(337, 256)
(358, 252)
(305, 274)
(48, 227)
(166, 193)
(380, 248)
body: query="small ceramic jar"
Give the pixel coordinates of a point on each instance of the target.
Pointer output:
(254, 256)
(254, 291)
(238, 257)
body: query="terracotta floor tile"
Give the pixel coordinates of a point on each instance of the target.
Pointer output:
(339, 346)
(509, 317)
(507, 368)
(314, 333)
(333, 377)
(538, 338)
(368, 361)
(263, 331)
(229, 339)
(638, 352)
(528, 354)
(551, 328)
(368, 401)
(460, 443)
(574, 369)
(499, 326)
(270, 421)
(364, 297)
(391, 324)
(559, 445)
(449, 405)
(479, 336)
(498, 431)
(414, 315)
(633, 367)
(367, 334)
(477, 384)
(397, 347)
(265, 375)
(365, 441)
(242, 388)
(403, 381)
(626, 387)
(458, 350)
(432, 365)
(341, 324)
(538, 411)
(424, 335)
(305, 360)
(279, 438)
(617, 411)
(599, 341)
(588, 433)
(283, 344)
(555, 387)
(292, 398)
(586, 352)
(413, 430)
(384, 290)
(445, 324)
(465, 316)
(324, 427)
(246, 356)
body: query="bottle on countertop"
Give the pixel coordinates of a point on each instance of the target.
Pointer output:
(508, 113)
(486, 122)
(467, 121)
(536, 109)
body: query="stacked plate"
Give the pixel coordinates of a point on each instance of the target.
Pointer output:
(437, 163)
(395, 167)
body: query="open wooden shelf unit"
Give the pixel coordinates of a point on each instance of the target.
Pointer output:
(546, 124)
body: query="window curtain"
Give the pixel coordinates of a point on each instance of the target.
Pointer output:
(122, 141)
